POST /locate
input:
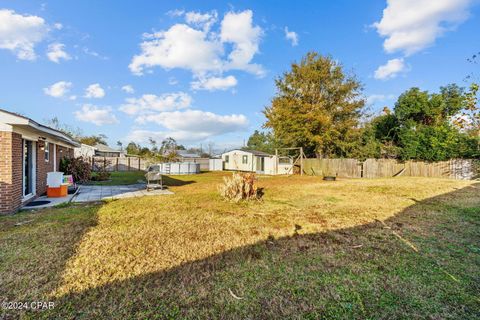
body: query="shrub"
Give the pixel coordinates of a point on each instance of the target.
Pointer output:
(241, 186)
(77, 167)
(101, 175)
(101, 172)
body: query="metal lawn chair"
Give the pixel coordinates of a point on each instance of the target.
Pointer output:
(154, 180)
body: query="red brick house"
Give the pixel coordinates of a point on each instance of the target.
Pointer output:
(28, 150)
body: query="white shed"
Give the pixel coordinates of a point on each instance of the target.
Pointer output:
(256, 161)
(215, 164)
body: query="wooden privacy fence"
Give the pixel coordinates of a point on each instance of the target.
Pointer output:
(464, 169)
(135, 164)
(119, 163)
(346, 168)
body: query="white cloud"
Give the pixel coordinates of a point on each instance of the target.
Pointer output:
(172, 81)
(150, 103)
(58, 26)
(179, 47)
(20, 34)
(376, 98)
(194, 47)
(214, 83)
(197, 121)
(291, 36)
(94, 91)
(391, 69)
(128, 89)
(204, 21)
(237, 28)
(175, 13)
(143, 136)
(96, 115)
(412, 25)
(190, 125)
(56, 52)
(94, 54)
(58, 89)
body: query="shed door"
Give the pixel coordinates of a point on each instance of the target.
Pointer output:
(260, 164)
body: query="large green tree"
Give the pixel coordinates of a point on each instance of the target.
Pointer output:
(317, 106)
(262, 141)
(422, 126)
(420, 107)
(93, 139)
(469, 118)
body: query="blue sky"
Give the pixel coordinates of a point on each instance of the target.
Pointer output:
(202, 71)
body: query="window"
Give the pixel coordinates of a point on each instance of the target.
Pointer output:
(226, 159)
(244, 159)
(47, 151)
(284, 160)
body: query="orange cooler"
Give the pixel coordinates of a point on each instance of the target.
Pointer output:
(58, 192)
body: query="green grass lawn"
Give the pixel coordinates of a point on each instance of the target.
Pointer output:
(403, 248)
(121, 178)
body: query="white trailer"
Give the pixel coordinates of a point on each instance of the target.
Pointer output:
(256, 161)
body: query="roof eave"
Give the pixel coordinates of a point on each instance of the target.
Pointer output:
(57, 134)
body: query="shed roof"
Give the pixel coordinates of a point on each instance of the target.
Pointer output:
(254, 152)
(104, 148)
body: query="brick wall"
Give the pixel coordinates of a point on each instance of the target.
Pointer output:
(11, 171)
(42, 167)
(11, 156)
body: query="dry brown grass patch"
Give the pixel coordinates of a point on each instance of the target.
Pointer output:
(139, 236)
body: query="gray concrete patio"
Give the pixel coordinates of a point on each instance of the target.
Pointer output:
(89, 193)
(86, 193)
(52, 202)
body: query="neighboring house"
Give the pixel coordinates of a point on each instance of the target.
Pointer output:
(102, 150)
(85, 151)
(256, 161)
(28, 150)
(98, 150)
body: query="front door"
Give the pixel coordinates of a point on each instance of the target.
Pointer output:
(28, 167)
(260, 164)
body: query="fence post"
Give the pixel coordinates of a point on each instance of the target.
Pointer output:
(128, 164)
(139, 162)
(117, 164)
(301, 161)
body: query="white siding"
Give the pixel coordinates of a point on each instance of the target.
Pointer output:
(270, 163)
(215, 164)
(235, 161)
(84, 151)
(285, 169)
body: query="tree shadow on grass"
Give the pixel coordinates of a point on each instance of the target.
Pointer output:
(174, 182)
(367, 271)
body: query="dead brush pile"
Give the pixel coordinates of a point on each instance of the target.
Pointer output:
(241, 186)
